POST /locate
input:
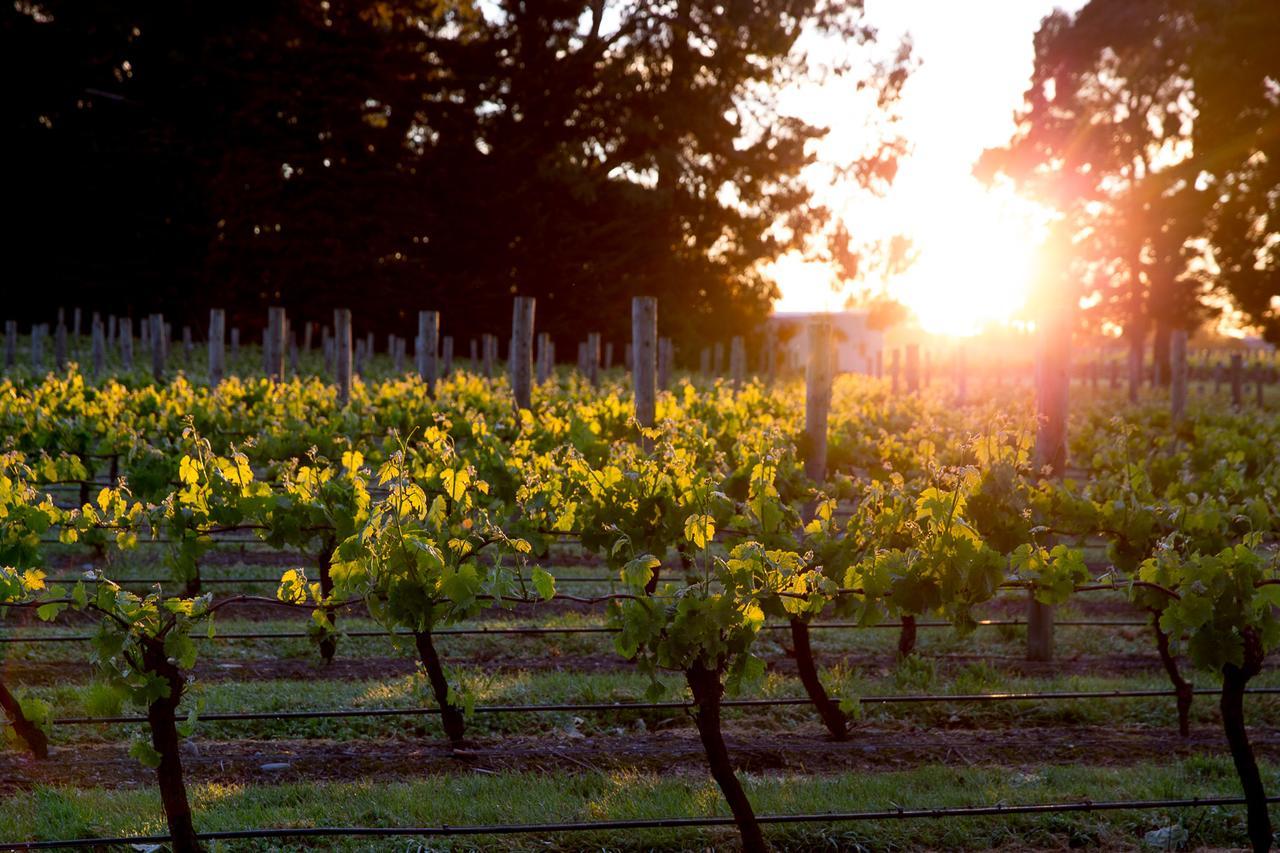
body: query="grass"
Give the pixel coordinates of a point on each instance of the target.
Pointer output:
(516, 687)
(592, 796)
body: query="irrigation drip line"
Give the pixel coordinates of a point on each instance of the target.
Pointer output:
(898, 813)
(579, 629)
(275, 580)
(606, 707)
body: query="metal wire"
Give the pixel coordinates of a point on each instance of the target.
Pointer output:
(999, 809)
(579, 629)
(606, 707)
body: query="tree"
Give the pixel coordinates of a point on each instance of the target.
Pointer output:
(421, 153)
(1149, 126)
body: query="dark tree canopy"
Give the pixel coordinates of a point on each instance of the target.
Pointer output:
(1150, 125)
(392, 156)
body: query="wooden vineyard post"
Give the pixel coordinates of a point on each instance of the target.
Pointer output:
(157, 347)
(879, 365)
(593, 359)
(306, 336)
(447, 355)
(342, 353)
(10, 344)
(235, 342)
(1053, 365)
(769, 356)
(521, 355)
(217, 347)
(895, 370)
(60, 344)
(608, 356)
(428, 345)
(487, 354)
(913, 368)
(98, 348)
(293, 353)
(274, 344)
(717, 359)
(644, 360)
(704, 361)
(1237, 381)
(543, 359)
(737, 362)
(126, 343)
(666, 356)
(817, 399)
(76, 316)
(37, 347)
(1178, 374)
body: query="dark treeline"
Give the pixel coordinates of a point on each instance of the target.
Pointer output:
(1153, 126)
(393, 156)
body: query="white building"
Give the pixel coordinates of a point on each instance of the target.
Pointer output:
(856, 344)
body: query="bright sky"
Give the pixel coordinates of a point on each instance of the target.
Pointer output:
(976, 246)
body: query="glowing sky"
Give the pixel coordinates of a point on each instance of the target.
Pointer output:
(975, 246)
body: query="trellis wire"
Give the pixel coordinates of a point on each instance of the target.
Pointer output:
(605, 707)
(646, 823)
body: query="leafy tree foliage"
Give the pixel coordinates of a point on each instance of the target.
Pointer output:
(415, 153)
(1150, 137)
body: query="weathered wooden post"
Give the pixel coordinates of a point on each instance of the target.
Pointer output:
(1178, 374)
(37, 347)
(913, 368)
(593, 359)
(817, 399)
(1053, 364)
(393, 353)
(543, 358)
(737, 362)
(273, 344)
(895, 369)
(666, 358)
(113, 332)
(217, 350)
(293, 353)
(10, 344)
(75, 329)
(157, 347)
(60, 344)
(98, 348)
(235, 342)
(126, 343)
(717, 358)
(187, 345)
(428, 344)
(521, 355)
(342, 353)
(1237, 380)
(644, 360)
(306, 336)
(878, 369)
(769, 355)
(488, 353)
(608, 356)
(447, 355)
(704, 361)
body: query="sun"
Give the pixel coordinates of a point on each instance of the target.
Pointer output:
(977, 260)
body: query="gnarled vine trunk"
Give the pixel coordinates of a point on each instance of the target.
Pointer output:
(707, 691)
(907, 636)
(1181, 687)
(1234, 680)
(450, 715)
(324, 562)
(832, 717)
(35, 739)
(164, 738)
